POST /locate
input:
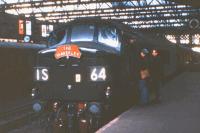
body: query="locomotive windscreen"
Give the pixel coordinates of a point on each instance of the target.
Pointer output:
(58, 38)
(107, 37)
(82, 33)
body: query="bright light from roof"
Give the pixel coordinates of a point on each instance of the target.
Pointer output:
(196, 49)
(70, 11)
(171, 38)
(196, 39)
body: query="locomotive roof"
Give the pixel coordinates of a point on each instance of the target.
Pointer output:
(96, 20)
(121, 26)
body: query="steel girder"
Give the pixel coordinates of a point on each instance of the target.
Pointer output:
(141, 14)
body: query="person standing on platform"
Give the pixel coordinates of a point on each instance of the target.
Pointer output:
(156, 73)
(144, 76)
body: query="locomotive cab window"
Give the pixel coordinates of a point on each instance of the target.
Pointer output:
(58, 38)
(82, 33)
(108, 36)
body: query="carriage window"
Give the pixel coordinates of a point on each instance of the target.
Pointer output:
(82, 33)
(58, 38)
(108, 36)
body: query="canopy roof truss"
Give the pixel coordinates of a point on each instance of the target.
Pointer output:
(142, 14)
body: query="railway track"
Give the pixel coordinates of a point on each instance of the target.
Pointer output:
(16, 117)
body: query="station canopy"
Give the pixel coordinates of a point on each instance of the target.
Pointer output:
(171, 17)
(137, 13)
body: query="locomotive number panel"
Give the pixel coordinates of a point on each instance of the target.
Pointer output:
(97, 73)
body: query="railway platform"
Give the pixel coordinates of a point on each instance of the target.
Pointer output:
(179, 111)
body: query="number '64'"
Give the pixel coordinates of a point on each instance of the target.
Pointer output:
(98, 74)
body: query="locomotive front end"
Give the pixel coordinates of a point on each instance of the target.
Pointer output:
(74, 74)
(82, 78)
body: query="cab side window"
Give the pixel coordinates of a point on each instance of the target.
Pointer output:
(108, 36)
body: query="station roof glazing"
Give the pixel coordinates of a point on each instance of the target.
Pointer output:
(166, 16)
(141, 14)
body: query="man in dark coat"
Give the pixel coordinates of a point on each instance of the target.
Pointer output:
(144, 76)
(156, 73)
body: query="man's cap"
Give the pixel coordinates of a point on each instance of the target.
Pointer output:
(145, 51)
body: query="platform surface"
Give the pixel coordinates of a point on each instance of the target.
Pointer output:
(179, 111)
(22, 45)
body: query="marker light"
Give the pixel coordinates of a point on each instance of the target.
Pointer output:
(108, 92)
(78, 78)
